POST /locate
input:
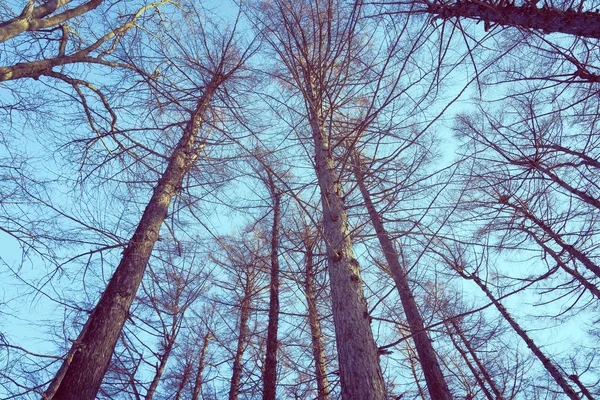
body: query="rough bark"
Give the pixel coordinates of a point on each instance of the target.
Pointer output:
(436, 383)
(546, 362)
(270, 366)
(200, 370)
(95, 347)
(360, 373)
(236, 375)
(315, 326)
(527, 16)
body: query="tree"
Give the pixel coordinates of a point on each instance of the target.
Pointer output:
(436, 383)
(316, 42)
(82, 374)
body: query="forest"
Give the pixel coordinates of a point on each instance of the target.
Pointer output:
(299, 199)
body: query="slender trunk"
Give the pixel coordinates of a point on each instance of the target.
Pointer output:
(584, 196)
(573, 272)
(475, 357)
(315, 327)
(201, 364)
(95, 347)
(436, 383)
(236, 375)
(473, 370)
(570, 249)
(546, 362)
(413, 368)
(360, 373)
(270, 366)
(164, 357)
(184, 378)
(527, 16)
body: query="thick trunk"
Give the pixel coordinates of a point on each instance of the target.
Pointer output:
(201, 364)
(236, 375)
(360, 373)
(315, 328)
(546, 362)
(486, 376)
(436, 383)
(270, 366)
(527, 16)
(95, 345)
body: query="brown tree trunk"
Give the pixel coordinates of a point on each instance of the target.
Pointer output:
(95, 346)
(164, 357)
(360, 373)
(473, 370)
(201, 364)
(236, 375)
(184, 377)
(546, 362)
(557, 238)
(480, 366)
(315, 326)
(270, 366)
(527, 16)
(436, 383)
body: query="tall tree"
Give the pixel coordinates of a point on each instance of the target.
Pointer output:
(319, 45)
(82, 373)
(436, 383)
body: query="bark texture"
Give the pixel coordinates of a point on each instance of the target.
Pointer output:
(95, 345)
(436, 382)
(360, 373)
(527, 16)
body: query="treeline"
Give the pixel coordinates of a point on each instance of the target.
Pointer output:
(299, 199)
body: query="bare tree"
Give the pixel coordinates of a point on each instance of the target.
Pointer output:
(316, 42)
(93, 348)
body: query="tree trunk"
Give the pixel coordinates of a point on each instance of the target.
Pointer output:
(270, 366)
(201, 364)
(184, 377)
(473, 370)
(95, 346)
(480, 366)
(527, 16)
(315, 327)
(436, 383)
(236, 374)
(552, 370)
(360, 373)
(164, 357)
(557, 238)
